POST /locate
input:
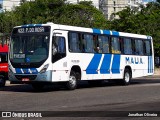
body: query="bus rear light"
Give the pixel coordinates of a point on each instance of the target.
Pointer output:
(44, 68)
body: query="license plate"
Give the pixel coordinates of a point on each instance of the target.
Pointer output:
(25, 79)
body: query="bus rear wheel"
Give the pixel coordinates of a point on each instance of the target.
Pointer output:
(2, 82)
(72, 83)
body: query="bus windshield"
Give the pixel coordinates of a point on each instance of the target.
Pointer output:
(3, 58)
(29, 48)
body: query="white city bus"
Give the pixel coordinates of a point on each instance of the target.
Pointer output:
(47, 53)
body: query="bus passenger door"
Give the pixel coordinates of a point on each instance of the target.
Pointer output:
(59, 63)
(58, 47)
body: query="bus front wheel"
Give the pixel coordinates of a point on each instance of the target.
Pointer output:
(72, 83)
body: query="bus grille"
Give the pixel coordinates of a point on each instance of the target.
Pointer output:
(30, 77)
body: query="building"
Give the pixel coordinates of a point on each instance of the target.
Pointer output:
(95, 2)
(8, 5)
(112, 6)
(108, 7)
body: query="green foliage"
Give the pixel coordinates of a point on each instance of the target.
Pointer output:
(56, 11)
(145, 21)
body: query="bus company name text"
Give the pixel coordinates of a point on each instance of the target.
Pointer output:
(134, 60)
(31, 30)
(22, 115)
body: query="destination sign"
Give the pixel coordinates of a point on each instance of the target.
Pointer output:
(36, 29)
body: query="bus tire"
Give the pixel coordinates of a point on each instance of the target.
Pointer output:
(38, 86)
(72, 83)
(126, 77)
(2, 82)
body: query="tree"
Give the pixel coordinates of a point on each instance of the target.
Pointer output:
(56, 11)
(144, 21)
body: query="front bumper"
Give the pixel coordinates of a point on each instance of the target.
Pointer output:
(29, 78)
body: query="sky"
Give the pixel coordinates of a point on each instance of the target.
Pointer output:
(148, 0)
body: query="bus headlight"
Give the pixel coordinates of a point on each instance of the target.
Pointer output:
(44, 68)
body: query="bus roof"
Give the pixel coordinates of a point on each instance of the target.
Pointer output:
(89, 30)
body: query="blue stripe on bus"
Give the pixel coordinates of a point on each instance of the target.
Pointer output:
(150, 64)
(98, 31)
(28, 25)
(115, 33)
(93, 65)
(38, 24)
(18, 71)
(106, 64)
(149, 37)
(31, 25)
(34, 70)
(106, 32)
(116, 64)
(26, 71)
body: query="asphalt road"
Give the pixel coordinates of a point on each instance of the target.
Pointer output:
(109, 100)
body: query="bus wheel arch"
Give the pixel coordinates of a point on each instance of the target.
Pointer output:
(75, 75)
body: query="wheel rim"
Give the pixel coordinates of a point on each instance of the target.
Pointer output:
(72, 81)
(127, 77)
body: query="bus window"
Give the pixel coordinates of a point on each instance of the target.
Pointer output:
(95, 44)
(115, 45)
(138, 47)
(103, 44)
(3, 58)
(18, 48)
(127, 46)
(58, 48)
(61, 45)
(147, 46)
(88, 43)
(74, 43)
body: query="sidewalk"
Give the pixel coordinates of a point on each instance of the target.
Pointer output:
(157, 71)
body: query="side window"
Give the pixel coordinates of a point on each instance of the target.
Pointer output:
(115, 42)
(147, 46)
(58, 48)
(74, 43)
(88, 43)
(139, 47)
(127, 44)
(61, 45)
(103, 44)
